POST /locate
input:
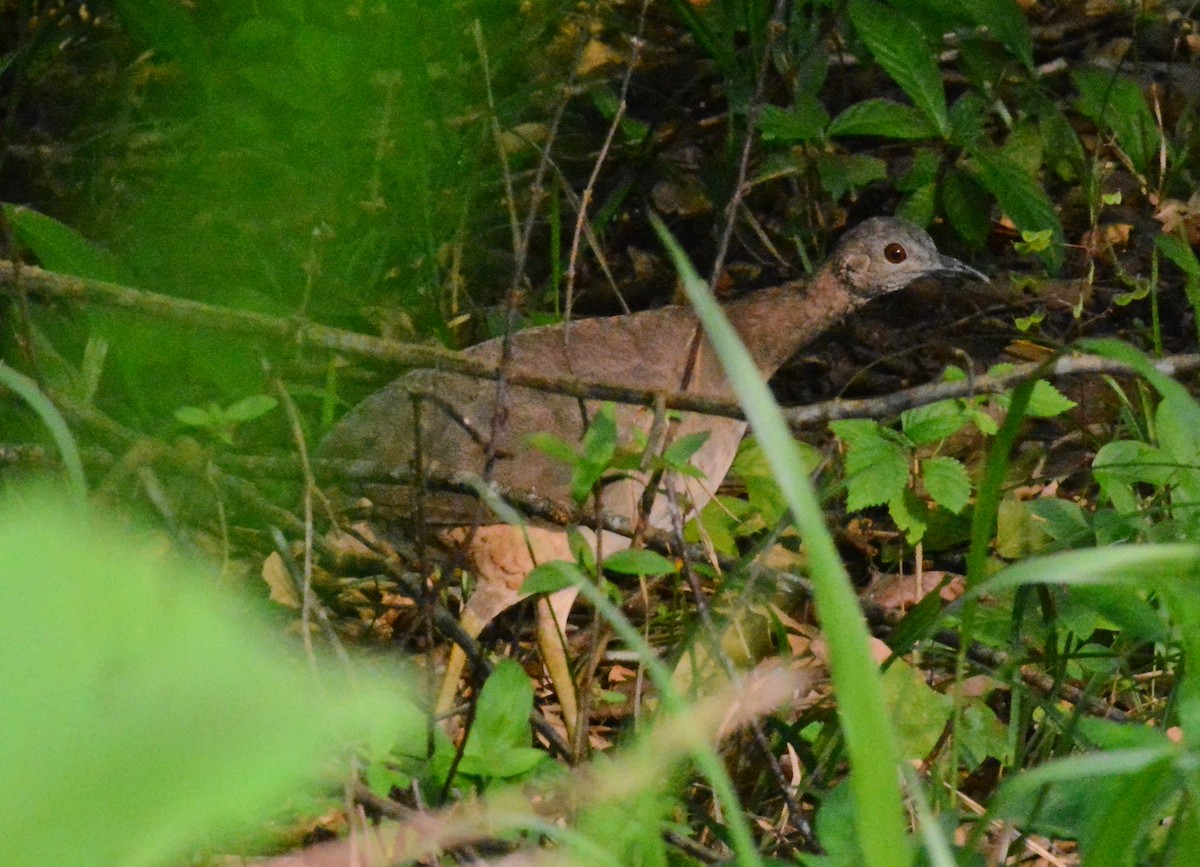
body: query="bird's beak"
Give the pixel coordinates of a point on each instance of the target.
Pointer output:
(949, 266)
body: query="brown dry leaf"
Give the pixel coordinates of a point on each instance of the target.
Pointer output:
(1175, 215)
(275, 574)
(595, 56)
(898, 593)
(1101, 239)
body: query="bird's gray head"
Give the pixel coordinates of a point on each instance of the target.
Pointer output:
(884, 254)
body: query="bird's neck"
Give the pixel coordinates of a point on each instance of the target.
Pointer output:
(776, 322)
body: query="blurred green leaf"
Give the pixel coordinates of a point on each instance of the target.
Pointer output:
(250, 408)
(552, 577)
(638, 561)
(150, 714)
(60, 248)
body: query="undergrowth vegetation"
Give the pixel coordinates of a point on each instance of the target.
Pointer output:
(949, 617)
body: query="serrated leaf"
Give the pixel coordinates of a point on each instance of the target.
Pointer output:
(1026, 204)
(910, 515)
(638, 561)
(1117, 102)
(934, 422)
(552, 577)
(947, 482)
(884, 118)
(1045, 401)
(842, 173)
(804, 123)
(1006, 24)
(876, 466)
(901, 50)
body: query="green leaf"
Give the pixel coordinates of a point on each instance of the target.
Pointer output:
(499, 745)
(638, 561)
(250, 408)
(934, 422)
(555, 447)
(882, 117)
(804, 123)
(947, 482)
(1006, 23)
(919, 712)
(910, 515)
(1116, 102)
(151, 714)
(60, 248)
(903, 52)
(876, 465)
(680, 451)
(842, 173)
(1046, 401)
(194, 416)
(961, 196)
(552, 577)
(1026, 204)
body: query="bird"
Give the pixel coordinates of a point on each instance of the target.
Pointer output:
(469, 424)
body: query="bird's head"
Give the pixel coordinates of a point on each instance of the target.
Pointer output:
(884, 254)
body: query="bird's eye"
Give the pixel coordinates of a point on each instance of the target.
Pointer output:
(895, 253)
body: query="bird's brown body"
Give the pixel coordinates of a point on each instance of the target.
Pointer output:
(462, 421)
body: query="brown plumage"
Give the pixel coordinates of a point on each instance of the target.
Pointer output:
(663, 350)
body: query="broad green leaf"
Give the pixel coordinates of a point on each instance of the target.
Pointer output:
(1121, 464)
(843, 173)
(884, 118)
(910, 515)
(680, 451)
(919, 712)
(500, 742)
(876, 465)
(804, 123)
(903, 52)
(60, 248)
(961, 195)
(1116, 102)
(1026, 204)
(151, 714)
(552, 577)
(1045, 402)
(638, 561)
(1006, 23)
(947, 482)
(934, 422)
